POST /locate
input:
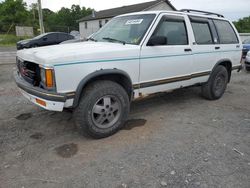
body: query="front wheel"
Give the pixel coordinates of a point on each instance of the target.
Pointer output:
(103, 109)
(216, 85)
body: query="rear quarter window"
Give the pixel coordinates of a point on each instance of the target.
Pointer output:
(226, 32)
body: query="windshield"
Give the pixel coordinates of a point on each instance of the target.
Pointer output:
(247, 41)
(125, 29)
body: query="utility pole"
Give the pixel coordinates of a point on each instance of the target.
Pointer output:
(40, 14)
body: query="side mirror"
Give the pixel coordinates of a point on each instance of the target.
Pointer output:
(157, 41)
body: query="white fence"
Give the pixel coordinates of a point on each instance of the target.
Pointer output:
(24, 31)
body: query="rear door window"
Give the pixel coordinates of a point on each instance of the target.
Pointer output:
(202, 32)
(226, 33)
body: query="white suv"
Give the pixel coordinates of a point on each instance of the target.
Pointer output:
(132, 56)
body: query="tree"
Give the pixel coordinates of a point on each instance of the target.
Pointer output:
(13, 12)
(65, 19)
(243, 25)
(16, 12)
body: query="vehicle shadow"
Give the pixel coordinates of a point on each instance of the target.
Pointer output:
(61, 124)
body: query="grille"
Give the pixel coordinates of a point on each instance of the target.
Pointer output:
(29, 71)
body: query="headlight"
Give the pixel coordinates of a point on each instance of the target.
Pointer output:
(42, 73)
(47, 77)
(248, 54)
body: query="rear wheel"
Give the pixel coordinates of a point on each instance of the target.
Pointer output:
(248, 68)
(103, 109)
(217, 84)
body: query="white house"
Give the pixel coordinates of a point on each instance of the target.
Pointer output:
(92, 23)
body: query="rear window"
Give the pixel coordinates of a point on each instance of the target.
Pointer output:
(226, 33)
(202, 33)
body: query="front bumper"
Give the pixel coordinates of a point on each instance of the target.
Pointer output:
(244, 52)
(53, 101)
(247, 63)
(20, 46)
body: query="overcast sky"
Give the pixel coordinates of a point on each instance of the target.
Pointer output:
(232, 9)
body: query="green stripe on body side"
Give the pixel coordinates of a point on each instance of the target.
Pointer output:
(137, 58)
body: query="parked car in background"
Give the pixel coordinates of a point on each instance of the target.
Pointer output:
(247, 61)
(45, 39)
(73, 41)
(78, 39)
(246, 47)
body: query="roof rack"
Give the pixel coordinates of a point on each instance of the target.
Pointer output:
(200, 11)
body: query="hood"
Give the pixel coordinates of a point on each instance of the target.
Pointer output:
(23, 41)
(77, 52)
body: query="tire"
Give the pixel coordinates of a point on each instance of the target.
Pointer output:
(103, 109)
(248, 69)
(216, 85)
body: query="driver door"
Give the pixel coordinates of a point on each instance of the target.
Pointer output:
(168, 66)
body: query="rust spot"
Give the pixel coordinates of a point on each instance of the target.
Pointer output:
(130, 124)
(67, 150)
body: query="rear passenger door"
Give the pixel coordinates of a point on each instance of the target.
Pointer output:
(164, 67)
(205, 48)
(230, 47)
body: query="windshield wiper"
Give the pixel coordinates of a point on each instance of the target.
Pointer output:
(114, 40)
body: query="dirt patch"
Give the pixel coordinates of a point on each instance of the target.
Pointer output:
(67, 150)
(37, 136)
(130, 124)
(23, 117)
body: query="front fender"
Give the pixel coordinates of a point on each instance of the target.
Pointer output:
(91, 76)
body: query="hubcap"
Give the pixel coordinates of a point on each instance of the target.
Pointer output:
(106, 111)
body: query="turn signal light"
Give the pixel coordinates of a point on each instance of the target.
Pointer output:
(49, 77)
(41, 102)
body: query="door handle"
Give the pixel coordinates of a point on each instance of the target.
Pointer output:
(188, 50)
(217, 48)
(238, 46)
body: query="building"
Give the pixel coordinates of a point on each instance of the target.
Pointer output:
(92, 23)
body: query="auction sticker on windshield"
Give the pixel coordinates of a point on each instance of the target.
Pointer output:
(134, 22)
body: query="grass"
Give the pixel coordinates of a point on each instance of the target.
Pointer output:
(10, 40)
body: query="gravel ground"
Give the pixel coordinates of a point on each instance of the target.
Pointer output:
(7, 55)
(172, 140)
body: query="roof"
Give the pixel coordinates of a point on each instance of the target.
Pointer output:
(124, 10)
(157, 12)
